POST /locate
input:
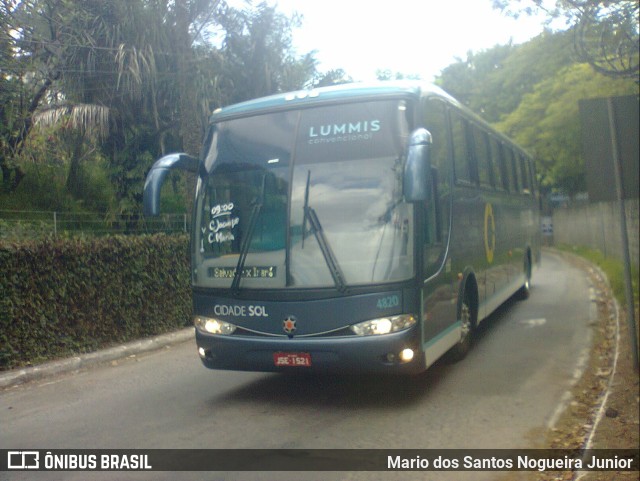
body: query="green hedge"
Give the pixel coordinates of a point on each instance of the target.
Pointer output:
(60, 297)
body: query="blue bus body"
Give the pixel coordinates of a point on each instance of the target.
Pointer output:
(361, 228)
(336, 349)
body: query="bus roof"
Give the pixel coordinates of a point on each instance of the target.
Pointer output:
(347, 92)
(336, 93)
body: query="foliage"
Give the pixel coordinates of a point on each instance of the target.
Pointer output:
(531, 92)
(332, 77)
(387, 74)
(606, 33)
(613, 269)
(493, 82)
(67, 296)
(547, 122)
(46, 184)
(257, 54)
(112, 85)
(131, 80)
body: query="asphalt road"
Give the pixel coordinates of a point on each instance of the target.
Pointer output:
(505, 394)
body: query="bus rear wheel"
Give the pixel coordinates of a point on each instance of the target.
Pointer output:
(466, 316)
(525, 290)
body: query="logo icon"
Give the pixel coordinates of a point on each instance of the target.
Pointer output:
(23, 459)
(489, 232)
(289, 325)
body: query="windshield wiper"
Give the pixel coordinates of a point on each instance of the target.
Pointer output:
(246, 241)
(316, 229)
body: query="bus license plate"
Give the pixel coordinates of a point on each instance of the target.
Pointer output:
(294, 359)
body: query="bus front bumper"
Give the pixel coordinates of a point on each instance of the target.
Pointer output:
(395, 353)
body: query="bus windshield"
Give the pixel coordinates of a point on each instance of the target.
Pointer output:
(308, 198)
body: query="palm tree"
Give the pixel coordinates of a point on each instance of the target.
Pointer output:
(125, 75)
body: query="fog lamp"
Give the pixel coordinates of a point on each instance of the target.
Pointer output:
(406, 355)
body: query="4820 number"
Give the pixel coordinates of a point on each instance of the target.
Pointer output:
(388, 302)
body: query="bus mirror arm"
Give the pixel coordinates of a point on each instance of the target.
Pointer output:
(417, 170)
(158, 173)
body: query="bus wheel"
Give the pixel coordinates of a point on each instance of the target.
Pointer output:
(525, 291)
(460, 350)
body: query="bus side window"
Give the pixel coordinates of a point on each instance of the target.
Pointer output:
(532, 175)
(437, 209)
(526, 179)
(517, 171)
(497, 164)
(509, 175)
(481, 150)
(461, 158)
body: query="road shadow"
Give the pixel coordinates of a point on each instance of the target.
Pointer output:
(338, 391)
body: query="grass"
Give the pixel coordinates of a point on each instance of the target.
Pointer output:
(613, 268)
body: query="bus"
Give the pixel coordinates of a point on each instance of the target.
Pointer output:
(354, 228)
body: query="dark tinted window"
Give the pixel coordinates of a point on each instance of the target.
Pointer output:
(509, 175)
(517, 169)
(297, 196)
(481, 150)
(532, 175)
(462, 164)
(253, 142)
(436, 121)
(526, 174)
(497, 164)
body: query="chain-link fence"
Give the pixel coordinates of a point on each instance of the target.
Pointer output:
(17, 225)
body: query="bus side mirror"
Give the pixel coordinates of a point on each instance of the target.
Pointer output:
(417, 170)
(157, 175)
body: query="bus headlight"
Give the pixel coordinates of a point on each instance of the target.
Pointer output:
(213, 326)
(384, 325)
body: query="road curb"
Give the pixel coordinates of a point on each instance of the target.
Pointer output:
(20, 376)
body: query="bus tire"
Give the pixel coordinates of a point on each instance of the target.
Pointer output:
(525, 291)
(467, 314)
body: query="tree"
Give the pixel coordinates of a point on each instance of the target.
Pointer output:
(190, 17)
(332, 77)
(607, 37)
(606, 32)
(531, 92)
(257, 57)
(493, 82)
(28, 68)
(547, 123)
(79, 127)
(143, 73)
(129, 62)
(107, 60)
(476, 80)
(387, 74)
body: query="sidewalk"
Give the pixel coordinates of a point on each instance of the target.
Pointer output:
(22, 375)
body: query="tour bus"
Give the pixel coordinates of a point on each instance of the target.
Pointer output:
(363, 228)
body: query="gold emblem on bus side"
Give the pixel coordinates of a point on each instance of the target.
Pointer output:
(489, 232)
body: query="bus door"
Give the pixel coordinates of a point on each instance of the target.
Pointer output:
(438, 288)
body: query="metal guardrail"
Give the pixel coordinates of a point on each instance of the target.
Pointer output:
(26, 224)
